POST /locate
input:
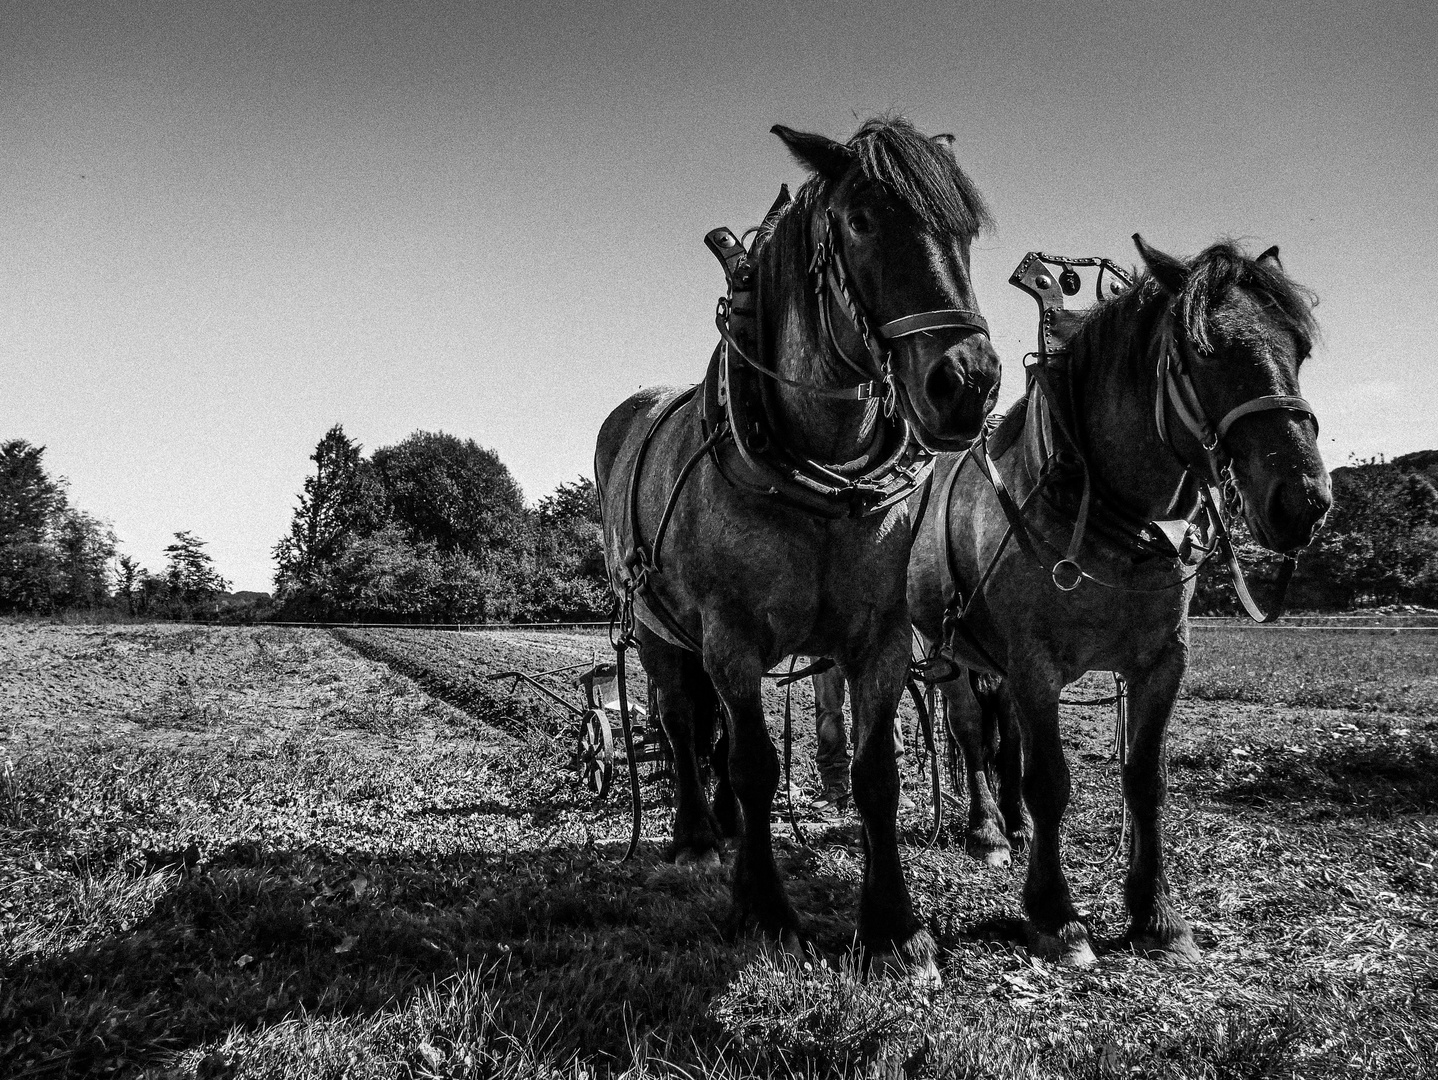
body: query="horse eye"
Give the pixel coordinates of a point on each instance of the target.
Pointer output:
(860, 224)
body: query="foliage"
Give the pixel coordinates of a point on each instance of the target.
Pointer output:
(52, 556)
(451, 493)
(343, 501)
(1378, 546)
(565, 578)
(434, 529)
(190, 575)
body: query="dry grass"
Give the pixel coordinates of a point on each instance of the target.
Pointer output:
(366, 883)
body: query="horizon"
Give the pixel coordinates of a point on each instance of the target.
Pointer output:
(230, 228)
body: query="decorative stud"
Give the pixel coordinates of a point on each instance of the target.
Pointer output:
(1043, 281)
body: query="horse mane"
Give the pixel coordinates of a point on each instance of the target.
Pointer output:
(1216, 271)
(917, 172)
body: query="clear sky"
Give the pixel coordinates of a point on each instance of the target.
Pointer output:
(226, 226)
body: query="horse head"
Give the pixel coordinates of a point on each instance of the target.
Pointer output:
(889, 218)
(1240, 330)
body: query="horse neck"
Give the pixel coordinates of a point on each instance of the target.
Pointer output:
(829, 430)
(1118, 383)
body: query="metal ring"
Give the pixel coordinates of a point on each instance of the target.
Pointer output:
(1077, 572)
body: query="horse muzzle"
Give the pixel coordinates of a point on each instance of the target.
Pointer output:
(1289, 511)
(955, 391)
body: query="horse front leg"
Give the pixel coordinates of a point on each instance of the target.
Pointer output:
(672, 685)
(1018, 826)
(1155, 927)
(888, 926)
(759, 894)
(984, 839)
(1054, 928)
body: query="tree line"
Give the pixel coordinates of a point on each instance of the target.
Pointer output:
(435, 528)
(55, 557)
(1378, 547)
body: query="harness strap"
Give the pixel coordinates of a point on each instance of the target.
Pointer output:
(865, 391)
(1264, 404)
(708, 444)
(941, 319)
(635, 802)
(1235, 570)
(639, 561)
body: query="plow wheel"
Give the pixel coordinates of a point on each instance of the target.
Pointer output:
(596, 752)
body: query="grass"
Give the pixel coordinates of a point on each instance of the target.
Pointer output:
(1386, 671)
(314, 865)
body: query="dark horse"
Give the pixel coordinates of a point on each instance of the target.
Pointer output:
(1189, 379)
(746, 577)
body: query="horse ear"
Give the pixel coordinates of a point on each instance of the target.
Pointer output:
(1169, 272)
(1270, 256)
(946, 140)
(817, 153)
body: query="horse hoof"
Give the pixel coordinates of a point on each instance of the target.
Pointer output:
(992, 852)
(923, 974)
(913, 960)
(792, 945)
(1180, 949)
(997, 858)
(700, 860)
(1070, 947)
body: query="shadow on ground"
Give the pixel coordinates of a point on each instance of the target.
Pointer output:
(569, 934)
(1374, 780)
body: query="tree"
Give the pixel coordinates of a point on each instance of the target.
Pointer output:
(29, 498)
(190, 572)
(1380, 543)
(567, 578)
(1378, 546)
(130, 579)
(451, 493)
(30, 504)
(342, 501)
(85, 546)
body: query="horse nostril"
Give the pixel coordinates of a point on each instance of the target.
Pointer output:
(943, 383)
(1298, 506)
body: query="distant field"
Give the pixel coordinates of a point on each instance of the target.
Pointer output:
(275, 852)
(1393, 671)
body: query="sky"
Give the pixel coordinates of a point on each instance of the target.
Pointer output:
(225, 227)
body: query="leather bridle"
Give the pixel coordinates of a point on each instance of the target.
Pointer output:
(1175, 391)
(830, 274)
(1220, 491)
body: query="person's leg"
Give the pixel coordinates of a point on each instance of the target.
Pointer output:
(906, 802)
(832, 756)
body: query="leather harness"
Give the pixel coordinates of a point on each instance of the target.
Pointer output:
(1179, 540)
(740, 438)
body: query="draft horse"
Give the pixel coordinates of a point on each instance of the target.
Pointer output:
(762, 514)
(1067, 540)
